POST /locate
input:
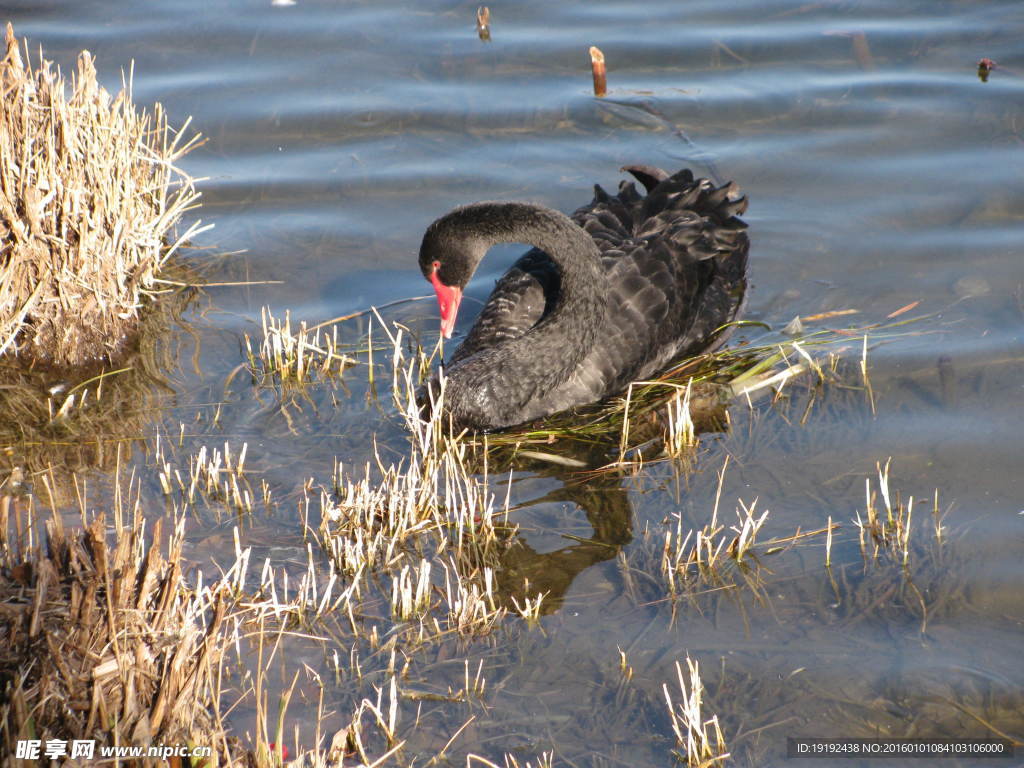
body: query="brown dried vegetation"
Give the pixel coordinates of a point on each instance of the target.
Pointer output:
(88, 195)
(107, 642)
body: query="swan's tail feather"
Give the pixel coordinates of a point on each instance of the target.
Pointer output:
(701, 218)
(628, 194)
(648, 175)
(718, 196)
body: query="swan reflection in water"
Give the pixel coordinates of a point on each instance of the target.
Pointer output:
(589, 481)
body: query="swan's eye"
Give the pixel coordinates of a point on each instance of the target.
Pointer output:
(437, 265)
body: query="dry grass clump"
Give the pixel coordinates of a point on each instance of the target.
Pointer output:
(295, 356)
(692, 558)
(700, 556)
(105, 641)
(904, 569)
(217, 477)
(891, 532)
(700, 742)
(89, 193)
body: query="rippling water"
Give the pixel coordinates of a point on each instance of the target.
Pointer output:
(880, 171)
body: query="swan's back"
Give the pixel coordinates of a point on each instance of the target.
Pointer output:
(675, 261)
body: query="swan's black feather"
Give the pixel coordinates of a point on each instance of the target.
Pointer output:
(648, 175)
(674, 261)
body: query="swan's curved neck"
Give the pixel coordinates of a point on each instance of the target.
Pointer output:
(471, 230)
(513, 381)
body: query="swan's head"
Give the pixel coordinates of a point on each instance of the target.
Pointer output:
(451, 250)
(448, 296)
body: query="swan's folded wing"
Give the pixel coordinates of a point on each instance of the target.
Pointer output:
(675, 262)
(521, 297)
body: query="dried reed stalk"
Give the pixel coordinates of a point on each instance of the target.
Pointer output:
(483, 23)
(89, 193)
(101, 641)
(597, 68)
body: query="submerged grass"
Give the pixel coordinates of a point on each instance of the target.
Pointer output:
(891, 534)
(693, 559)
(294, 357)
(58, 424)
(700, 741)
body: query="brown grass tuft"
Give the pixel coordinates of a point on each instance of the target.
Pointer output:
(105, 641)
(88, 196)
(699, 741)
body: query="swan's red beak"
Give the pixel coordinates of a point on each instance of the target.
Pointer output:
(448, 298)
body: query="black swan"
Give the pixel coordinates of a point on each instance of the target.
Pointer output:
(612, 295)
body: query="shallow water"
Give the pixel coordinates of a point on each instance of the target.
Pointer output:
(880, 171)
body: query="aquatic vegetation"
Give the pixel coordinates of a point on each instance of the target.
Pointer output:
(697, 558)
(93, 194)
(116, 626)
(699, 740)
(891, 534)
(57, 425)
(294, 356)
(106, 640)
(373, 523)
(215, 475)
